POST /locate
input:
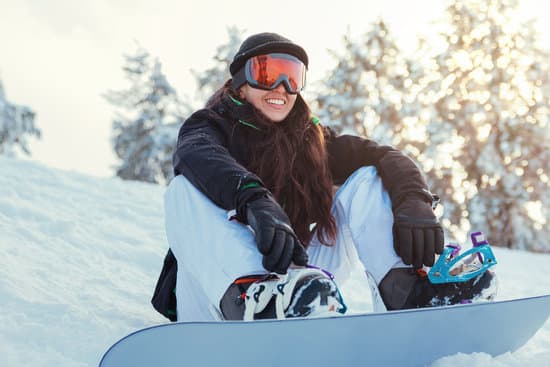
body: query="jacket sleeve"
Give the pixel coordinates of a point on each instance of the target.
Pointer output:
(400, 175)
(203, 158)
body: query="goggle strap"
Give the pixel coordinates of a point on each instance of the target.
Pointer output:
(239, 79)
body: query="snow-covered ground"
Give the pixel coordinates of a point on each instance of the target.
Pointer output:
(79, 258)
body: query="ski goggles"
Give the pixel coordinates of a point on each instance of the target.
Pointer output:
(268, 71)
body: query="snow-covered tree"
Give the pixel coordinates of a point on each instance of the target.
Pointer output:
(209, 80)
(489, 130)
(16, 126)
(146, 127)
(370, 91)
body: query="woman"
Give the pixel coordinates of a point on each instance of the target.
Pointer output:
(256, 150)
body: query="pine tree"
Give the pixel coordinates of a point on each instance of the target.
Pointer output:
(16, 126)
(489, 132)
(210, 80)
(144, 137)
(369, 92)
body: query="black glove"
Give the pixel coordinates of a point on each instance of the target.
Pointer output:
(274, 236)
(417, 234)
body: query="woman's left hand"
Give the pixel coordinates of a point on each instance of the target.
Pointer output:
(417, 234)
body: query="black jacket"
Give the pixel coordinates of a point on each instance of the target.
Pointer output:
(212, 154)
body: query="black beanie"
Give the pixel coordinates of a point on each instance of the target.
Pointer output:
(264, 43)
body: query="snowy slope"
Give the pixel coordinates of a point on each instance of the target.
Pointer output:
(79, 257)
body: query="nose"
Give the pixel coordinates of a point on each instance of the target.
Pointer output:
(280, 88)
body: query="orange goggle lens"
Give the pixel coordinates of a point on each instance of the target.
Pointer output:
(268, 71)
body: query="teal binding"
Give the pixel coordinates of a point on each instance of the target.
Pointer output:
(476, 261)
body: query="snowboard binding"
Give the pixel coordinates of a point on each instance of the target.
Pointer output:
(303, 292)
(452, 266)
(455, 278)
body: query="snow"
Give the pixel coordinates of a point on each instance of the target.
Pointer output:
(80, 256)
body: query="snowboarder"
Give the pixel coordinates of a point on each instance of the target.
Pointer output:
(252, 204)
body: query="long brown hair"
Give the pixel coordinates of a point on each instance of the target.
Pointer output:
(291, 159)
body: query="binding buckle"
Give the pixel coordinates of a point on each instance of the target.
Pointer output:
(451, 266)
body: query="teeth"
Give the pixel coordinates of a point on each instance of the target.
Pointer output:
(275, 101)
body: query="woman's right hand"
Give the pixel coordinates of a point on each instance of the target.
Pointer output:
(274, 236)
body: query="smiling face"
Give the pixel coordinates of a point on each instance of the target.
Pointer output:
(276, 104)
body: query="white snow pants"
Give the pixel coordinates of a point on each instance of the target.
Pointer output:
(213, 251)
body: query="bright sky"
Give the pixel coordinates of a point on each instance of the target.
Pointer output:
(59, 56)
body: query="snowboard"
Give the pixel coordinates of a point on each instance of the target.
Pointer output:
(395, 338)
